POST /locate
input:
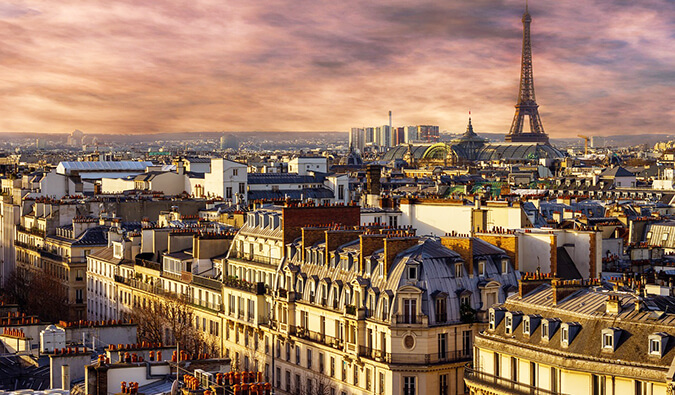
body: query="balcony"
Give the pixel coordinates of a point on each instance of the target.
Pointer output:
(409, 319)
(256, 258)
(158, 290)
(476, 380)
(33, 231)
(415, 359)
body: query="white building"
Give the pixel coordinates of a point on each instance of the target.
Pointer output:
(227, 179)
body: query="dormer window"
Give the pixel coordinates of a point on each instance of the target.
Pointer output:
(526, 327)
(412, 272)
(548, 328)
(512, 321)
(610, 339)
(458, 270)
(568, 331)
(495, 314)
(654, 347)
(665, 237)
(657, 344)
(505, 266)
(481, 268)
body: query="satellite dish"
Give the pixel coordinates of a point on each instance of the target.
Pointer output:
(174, 387)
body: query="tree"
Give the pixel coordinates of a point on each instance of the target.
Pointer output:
(37, 293)
(169, 319)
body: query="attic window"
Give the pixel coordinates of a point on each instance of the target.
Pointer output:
(565, 334)
(649, 235)
(608, 340)
(509, 324)
(526, 327)
(412, 272)
(655, 347)
(492, 320)
(505, 266)
(458, 270)
(481, 268)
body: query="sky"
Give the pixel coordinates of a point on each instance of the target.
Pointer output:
(601, 67)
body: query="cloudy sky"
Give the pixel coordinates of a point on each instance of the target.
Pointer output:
(123, 66)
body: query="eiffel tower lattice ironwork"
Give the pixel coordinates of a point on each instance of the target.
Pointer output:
(527, 105)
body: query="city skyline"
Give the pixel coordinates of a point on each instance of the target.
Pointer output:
(602, 68)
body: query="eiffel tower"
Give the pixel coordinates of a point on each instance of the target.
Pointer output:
(527, 105)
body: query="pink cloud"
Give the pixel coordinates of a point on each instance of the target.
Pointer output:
(604, 67)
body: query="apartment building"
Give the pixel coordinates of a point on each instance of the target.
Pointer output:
(576, 337)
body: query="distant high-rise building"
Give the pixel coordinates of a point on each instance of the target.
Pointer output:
(410, 134)
(399, 135)
(357, 139)
(370, 135)
(428, 133)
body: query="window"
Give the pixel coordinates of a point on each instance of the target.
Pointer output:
(442, 345)
(278, 377)
(443, 383)
(467, 339)
(381, 384)
(514, 369)
(526, 327)
(481, 268)
(505, 266)
(409, 385)
(309, 358)
(356, 375)
(369, 383)
(412, 272)
(409, 311)
(509, 324)
(458, 270)
(640, 387)
(228, 192)
(297, 355)
(235, 172)
(441, 310)
(332, 366)
(607, 340)
(321, 357)
(297, 384)
(655, 346)
(555, 380)
(598, 385)
(565, 334)
(534, 374)
(492, 320)
(498, 359)
(544, 330)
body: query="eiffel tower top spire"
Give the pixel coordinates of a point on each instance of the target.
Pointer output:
(527, 104)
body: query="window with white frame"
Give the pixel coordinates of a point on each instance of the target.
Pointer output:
(608, 340)
(655, 346)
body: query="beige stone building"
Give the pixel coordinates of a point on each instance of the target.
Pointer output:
(573, 337)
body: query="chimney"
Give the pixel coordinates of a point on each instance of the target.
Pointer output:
(65, 377)
(530, 282)
(180, 167)
(464, 247)
(309, 237)
(564, 288)
(336, 238)
(369, 244)
(613, 304)
(392, 246)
